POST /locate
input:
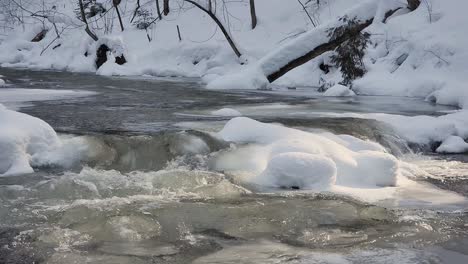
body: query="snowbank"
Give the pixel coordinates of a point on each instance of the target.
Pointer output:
(22, 139)
(283, 157)
(422, 54)
(226, 112)
(339, 90)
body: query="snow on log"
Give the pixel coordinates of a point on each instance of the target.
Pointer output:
(305, 47)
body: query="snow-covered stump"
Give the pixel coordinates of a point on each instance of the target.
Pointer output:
(106, 45)
(308, 46)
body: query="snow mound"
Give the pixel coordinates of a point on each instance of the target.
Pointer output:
(277, 156)
(22, 138)
(2, 82)
(226, 112)
(299, 170)
(453, 144)
(339, 90)
(27, 142)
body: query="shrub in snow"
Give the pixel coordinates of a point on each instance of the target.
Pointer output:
(349, 54)
(453, 144)
(339, 90)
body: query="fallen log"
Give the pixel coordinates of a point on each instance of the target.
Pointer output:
(318, 41)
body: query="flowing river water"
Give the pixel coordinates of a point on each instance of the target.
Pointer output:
(150, 194)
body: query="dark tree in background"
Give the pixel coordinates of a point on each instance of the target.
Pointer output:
(166, 7)
(116, 4)
(158, 10)
(253, 13)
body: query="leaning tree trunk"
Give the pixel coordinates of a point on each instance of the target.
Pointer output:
(166, 7)
(83, 17)
(220, 25)
(253, 14)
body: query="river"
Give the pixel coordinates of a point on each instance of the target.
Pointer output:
(149, 193)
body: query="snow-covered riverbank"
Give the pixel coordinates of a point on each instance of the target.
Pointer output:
(420, 53)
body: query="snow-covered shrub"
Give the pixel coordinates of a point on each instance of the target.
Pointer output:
(349, 55)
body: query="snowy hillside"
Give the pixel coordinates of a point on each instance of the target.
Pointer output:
(419, 53)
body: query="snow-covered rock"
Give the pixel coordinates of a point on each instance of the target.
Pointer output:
(453, 144)
(299, 170)
(339, 90)
(277, 156)
(226, 112)
(22, 138)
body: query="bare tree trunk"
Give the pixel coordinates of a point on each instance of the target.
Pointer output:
(116, 5)
(83, 17)
(178, 33)
(158, 10)
(220, 25)
(166, 7)
(413, 4)
(253, 14)
(210, 6)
